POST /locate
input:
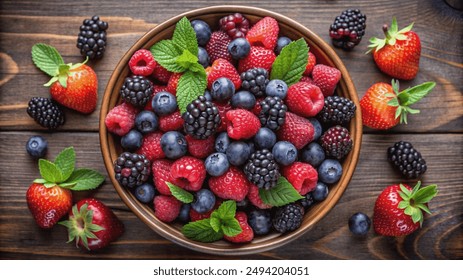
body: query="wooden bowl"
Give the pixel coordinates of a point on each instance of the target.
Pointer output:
(110, 146)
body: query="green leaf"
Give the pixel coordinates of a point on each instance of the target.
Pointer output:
(40, 181)
(46, 58)
(196, 68)
(49, 185)
(187, 60)
(393, 102)
(416, 93)
(425, 194)
(49, 171)
(184, 36)
(226, 210)
(65, 162)
(201, 231)
(215, 222)
(63, 71)
(166, 53)
(283, 193)
(84, 179)
(180, 193)
(290, 64)
(190, 86)
(231, 227)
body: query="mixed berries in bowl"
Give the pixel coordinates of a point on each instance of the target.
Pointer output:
(230, 130)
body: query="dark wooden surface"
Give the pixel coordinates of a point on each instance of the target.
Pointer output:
(437, 132)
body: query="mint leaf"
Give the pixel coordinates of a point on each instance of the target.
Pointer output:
(180, 193)
(46, 58)
(231, 227)
(216, 224)
(187, 59)
(416, 93)
(165, 53)
(201, 231)
(184, 36)
(291, 62)
(190, 86)
(196, 67)
(65, 162)
(226, 210)
(49, 171)
(283, 193)
(83, 179)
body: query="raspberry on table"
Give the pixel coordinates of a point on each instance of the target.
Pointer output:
(235, 25)
(254, 198)
(246, 235)
(171, 122)
(132, 169)
(188, 173)
(302, 176)
(161, 174)
(242, 124)
(142, 63)
(262, 169)
(201, 118)
(166, 208)
(45, 112)
(255, 80)
(230, 185)
(336, 142)
(200, 148)
(348, 29)
(304, 99)
(151, 146)
(136, 90)
(121, 119)
(91, 39)
(288, 218)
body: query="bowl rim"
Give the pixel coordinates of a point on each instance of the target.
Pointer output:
(165, 230)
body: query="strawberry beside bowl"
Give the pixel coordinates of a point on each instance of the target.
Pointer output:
(111, 148)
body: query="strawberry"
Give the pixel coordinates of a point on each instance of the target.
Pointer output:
(398, 55)
(92, 224)
(326, 78)
(222, 68)
(398, 209)
(246, 235)
(258, 57)
(305, 99)
(230, 185)
(311, 61)
(297, 130)
(173, 83)
(217, 46)
(383, 106)
(264, 33)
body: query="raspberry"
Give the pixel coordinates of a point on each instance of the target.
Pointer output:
(188, 173)
(302, 176)
(161, 174)
(235, 25)
(136, 90)
(288, 217)
(142, 63)
(304, 99)
(156, 89)
(171, 122)
(160, 73)
(151, 146)
(132, 170)
(246, 235)
(166, 208)
(200, 148)
(241, 124)
(312, 60)
(231, 185)
(254, 198)
(273, 112)
(223, 109)
(297, 130)
(306, 79)
(336, 142)
(258, 57)
(326, 78)
(121, 119)
(222, 68)
(262, 169)
(264, 33)
(348, 29)
(257, 108)
(217, 46)
(173, 83)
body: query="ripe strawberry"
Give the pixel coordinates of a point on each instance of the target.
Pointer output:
(166, 208)
(326, 78)
(171, 122)
(92, 224)
(242, 124)
(161, 174)
(312, 60)
(398, 209)
(188, 173)
(200, 148)
(230, 185)
(302, 176)
(222, 68)
(297, 130)
(264, 33)
(398, 55)
(254, 198)
(217, 46)
(173, 83)
(121, 119)
(258, 57)
(151, 146)
(142, 63)
(48, 205)
(246, 235)
(305, 99)
(383, 104)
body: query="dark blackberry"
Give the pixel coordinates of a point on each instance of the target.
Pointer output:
(307, 201)
(132, 169)
(136, 90)
(235, 25)
(406, 159)
(336, 142)
(201, 118)
(255, 80)
(273, 112)
(337, 110)
(91, 39)
(262, 169)
(45, 112)
(288, 217)
(348, 29)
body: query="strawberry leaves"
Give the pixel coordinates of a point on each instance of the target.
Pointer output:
(414, 201)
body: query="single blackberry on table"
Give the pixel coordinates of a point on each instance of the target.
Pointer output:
(336, 142)
(201, 118)
(45, 112)
(406, 159)
(136, 90)
(288, 217)
(255, 80)
(91, 39)
(273, 112)
(337, 110)
(132, 169)
(348, 29)
(235, 25)
(262, 169)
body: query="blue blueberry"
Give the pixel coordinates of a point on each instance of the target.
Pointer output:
(317, 128)
(281, 43)
(252, 147)
(132, 141)
(203, 57)
(145, 193)
(184, 215)
(216, 164)
(222, 142)
(146, 122)
(329, 171)
(222, 89)
(359, 224)
(208, 95)
(164, 103)
(238, 153)
(320, 192)
(239, 48)
(307, 201)
(260, 221)
(204, 201)
(37, 146)
(284, 152)
(265, 138)
(202, 30)
(174, 144)
(276, 88)
(243, 99)
(313, 154)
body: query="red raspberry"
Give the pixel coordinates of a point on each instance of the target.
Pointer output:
(254, 198)
(296, 130)
(305, 99)
(302, 176)
(142, 63)
(166, 208)
(230, 185)
(161, 175)
(246, 235)
(264, 33)
(217, 47)
(173, 83)
(156, 89)
(161, 74)
(188, 173)
(121, 119)
(258, 57)
(223, 109)
(306, 79)
(257, 108)
(200, 148)
(222, 68)
(242, 124)
(151, 146)
(171, 122)
(235, 25)
(312, 60)
(326, 78)
(195, 216)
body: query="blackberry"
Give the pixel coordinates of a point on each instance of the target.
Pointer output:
(337, 110)
(406, 159)
(273, 112)
(307, 201)
(288, 217)
(348, 29)
(131, 169)
(91, 39)
(235, 25)
(136, 90)
(336, 142)
(45, 112)
(255, 80)
(262, 169)
(201, 118)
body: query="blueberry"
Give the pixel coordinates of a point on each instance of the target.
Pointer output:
(204, 201)
(222, 89)
(252, 147)
(239, 48)
(265, 138)
(132, 141)
(222, 142)
(216, 164)
(320, 192)
(359, 224)
(317, 128)
(146, 122)
(307, 201)
(202, 30)
(145, 193)
(260, 221)
(277, 88)
(329, 171)
(208, 95)
(313, 154)
(284, 152)
(37, 146)
(203, 57)
(174, 144)
(184, 215)
(281, 43)
(164, 103)
(243, 99)
(238, 153)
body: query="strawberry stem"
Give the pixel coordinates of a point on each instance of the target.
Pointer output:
(414, 201)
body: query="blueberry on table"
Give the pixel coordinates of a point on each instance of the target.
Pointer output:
(239, 48)
(222, 142)
(164, 103)
(284, 152)
(317, 128)
(146, 122)
(174, 144)
(37, 146)
(277, 88)
(222, 89)
(145, 193)
(281, 43)
(320, 192)
(243, 99)
(203, 57)
(184, 215)
(216, 164)
(313, 154)
(132, 141)
(260, 221)
(359, 224)
(204, 201)
(238, 153)
(329, 171)
(202, 30)
(265, 138)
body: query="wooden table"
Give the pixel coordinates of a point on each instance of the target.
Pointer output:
(437, 132)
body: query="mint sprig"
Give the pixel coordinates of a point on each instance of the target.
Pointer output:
(180, 193)
(283, 193)
(290, 64)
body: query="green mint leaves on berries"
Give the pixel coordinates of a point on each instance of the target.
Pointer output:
(290, 64)
(180, 55)
(221, 222)
(62, 172)
(180, 193)
(414, 201)
(283, 193)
